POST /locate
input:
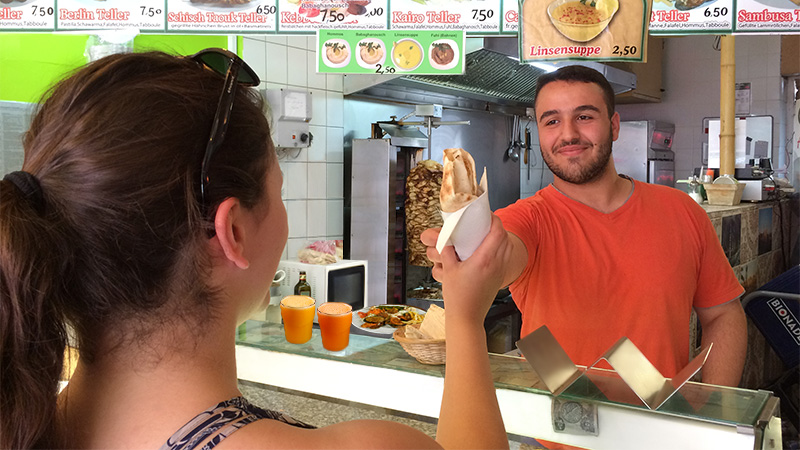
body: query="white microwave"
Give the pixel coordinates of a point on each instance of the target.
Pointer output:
(344, 281)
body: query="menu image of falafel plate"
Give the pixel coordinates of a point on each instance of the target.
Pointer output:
(384, 319)
(223, 5)
(332, 14)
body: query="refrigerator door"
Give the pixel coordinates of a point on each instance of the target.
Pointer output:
(630, 149)
(372, 223)
(661, 172)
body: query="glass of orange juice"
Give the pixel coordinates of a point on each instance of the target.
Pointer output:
(334, 325)
(297, 312)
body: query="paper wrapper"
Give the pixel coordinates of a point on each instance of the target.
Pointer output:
(465, 229)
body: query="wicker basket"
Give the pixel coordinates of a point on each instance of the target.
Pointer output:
(426, 351)
(724, 194)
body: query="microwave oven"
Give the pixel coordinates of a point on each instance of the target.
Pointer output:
(343, 281)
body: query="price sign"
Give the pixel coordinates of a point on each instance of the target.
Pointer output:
(767, 16)
(27, 15)
(474, 16)
(145, 15)
(681, 17)
(432, 52)
(255, 16)
(312, 15)
(600, 30)
(510, 22)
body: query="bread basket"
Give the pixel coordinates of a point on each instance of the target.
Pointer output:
(426, 351)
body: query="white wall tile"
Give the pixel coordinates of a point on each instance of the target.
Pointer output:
(316, 152)
(335, 217)
(317, 180)
(297, 41)
(296, 175)
(255, 53)
(295, 245)
(317, 215)
(335, 144)
(296, 211)
(276, 63)
(318, 108)
(334, 82)
(335, 180)
(281, 40)
(335, 108)
(297, 67)
(315, 80)
(311, 43)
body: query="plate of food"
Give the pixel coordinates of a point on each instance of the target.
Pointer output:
(223, 5)
(15, 3)
(384, 319)
(370, 52)
(337, 53)
(443, 54)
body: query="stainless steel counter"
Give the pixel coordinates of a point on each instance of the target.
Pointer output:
(698, 417)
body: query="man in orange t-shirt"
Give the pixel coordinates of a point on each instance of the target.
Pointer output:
(597, 256)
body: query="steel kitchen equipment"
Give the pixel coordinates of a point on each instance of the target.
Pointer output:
(643, 151)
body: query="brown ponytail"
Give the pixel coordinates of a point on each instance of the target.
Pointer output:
(120, 252)
(32, 334)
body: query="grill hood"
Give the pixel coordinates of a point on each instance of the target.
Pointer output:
(493, 80)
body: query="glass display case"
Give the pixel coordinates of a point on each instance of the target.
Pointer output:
(697, 416)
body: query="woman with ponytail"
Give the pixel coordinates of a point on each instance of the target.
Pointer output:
(147, 220)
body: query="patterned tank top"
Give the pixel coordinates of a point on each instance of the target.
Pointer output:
(221, 421)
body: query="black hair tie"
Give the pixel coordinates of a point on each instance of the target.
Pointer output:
(30, 188)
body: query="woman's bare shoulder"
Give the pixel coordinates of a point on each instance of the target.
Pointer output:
(356, 434)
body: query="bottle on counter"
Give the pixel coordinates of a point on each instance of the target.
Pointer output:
(302, 287)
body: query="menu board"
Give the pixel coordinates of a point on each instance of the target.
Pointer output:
(387, 52)
(109, 14)
(775, 16)
(256, 16)
(681, 17)
(468, 15)
(311, 15)
(25, 15)
(510, 23)
(604, 30)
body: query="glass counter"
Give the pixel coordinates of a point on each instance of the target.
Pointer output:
(738, 410)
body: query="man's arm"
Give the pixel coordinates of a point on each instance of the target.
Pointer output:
(726, 326)
(517, 260)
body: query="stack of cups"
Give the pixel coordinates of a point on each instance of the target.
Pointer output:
(335, 318)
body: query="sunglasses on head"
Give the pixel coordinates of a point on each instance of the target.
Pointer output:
(236, 72)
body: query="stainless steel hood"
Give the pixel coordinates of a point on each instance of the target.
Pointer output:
(493, 80)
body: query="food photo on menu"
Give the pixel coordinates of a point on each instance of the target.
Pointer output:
(337, 53)
(371, 52)
(443, 54)
(314, 9)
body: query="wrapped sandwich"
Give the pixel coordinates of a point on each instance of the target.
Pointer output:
(459, 184)
(465, 204)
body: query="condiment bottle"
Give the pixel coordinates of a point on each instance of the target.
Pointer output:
(302, 287)
(709, 176)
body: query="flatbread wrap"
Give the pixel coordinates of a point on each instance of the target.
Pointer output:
(459, 184)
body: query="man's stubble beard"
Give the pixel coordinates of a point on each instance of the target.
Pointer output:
(585, 174)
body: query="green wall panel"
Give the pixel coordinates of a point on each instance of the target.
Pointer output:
(31, 62)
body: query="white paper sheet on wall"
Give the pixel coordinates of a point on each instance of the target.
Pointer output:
(740, 143)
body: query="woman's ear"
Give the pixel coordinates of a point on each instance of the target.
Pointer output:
(228, 223)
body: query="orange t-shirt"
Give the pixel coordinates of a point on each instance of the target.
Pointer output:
(593, 278)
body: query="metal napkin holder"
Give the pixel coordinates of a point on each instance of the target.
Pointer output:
(557, 371)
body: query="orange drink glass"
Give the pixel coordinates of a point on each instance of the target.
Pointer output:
(298, 315)
(334, 325)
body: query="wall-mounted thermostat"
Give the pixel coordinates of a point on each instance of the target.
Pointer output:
(291, 112)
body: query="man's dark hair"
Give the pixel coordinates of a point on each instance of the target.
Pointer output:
(582, 74)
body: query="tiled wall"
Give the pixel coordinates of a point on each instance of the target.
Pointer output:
(312, 177)
(691, 83)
